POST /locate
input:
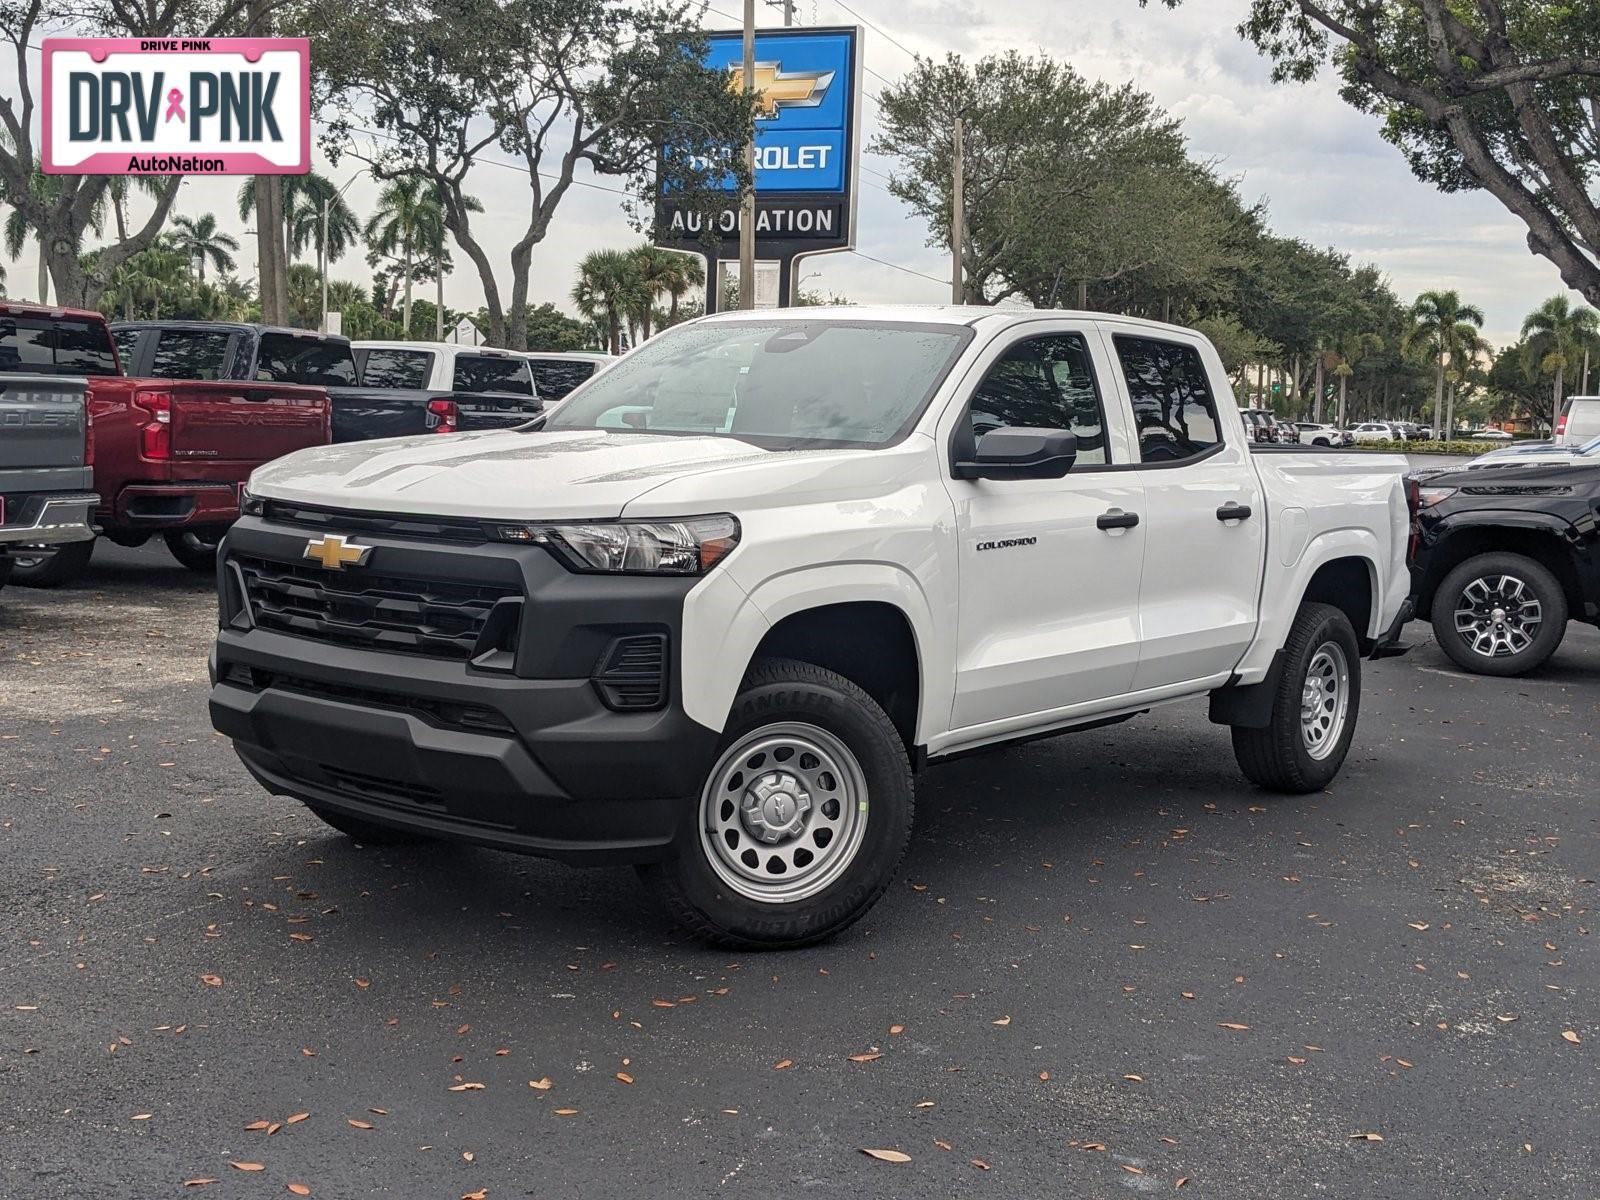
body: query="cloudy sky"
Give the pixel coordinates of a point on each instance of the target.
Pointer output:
(1321, 166)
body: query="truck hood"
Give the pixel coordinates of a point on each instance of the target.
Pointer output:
(498, 475)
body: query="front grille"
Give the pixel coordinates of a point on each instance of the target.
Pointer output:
(429, 617)
(632, 674)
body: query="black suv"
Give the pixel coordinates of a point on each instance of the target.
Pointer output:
(1502, 557)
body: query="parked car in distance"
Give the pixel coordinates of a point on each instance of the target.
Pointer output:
(1579, 420)
(709, 613)
(1488, 435)
(1375, 431)
(47, 359)
(216, 350)
(1537, 453)
(1288, 432)
(557, 372)
(1313, 434)
(170, 454)
(1505, 557)
(475, 387)
(1261, 424)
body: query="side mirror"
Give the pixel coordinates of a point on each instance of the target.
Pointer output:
(1016, 453)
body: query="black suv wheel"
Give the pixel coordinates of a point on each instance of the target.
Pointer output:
(1499, 614)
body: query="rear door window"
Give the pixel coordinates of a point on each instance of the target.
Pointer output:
(395, 369)
(293, 358)
(483, 373)
(1175, 415)
(190, 353)
(56, 346)
(127, 341)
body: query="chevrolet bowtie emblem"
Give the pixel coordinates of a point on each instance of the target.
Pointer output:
(333, 552)
(783, 89)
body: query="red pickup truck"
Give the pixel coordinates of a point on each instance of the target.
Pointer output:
(169, 455)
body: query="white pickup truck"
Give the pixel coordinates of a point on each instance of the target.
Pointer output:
(714, 612)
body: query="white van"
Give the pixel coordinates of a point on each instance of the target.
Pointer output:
(1580, 421)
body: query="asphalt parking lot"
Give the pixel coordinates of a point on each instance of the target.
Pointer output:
(1108, 964)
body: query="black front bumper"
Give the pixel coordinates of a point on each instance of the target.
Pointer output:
(528, 759)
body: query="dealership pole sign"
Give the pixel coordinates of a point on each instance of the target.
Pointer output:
(807, 125)
(177, 106)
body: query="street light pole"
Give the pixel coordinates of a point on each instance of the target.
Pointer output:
(322, 253)
(747, 202)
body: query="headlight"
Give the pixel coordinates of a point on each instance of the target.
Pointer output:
(251, 505)
(1427, 497)
(690, 546)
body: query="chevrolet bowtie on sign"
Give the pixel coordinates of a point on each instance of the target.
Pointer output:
(177, 106)
(333, 552)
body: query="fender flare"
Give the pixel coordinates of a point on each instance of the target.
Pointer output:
(731, 645)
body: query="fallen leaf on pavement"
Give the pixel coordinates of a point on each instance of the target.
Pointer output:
(467, 1087)
(1571, 1036)
(894, 1156)
(255, 1125)
(541, 1085)
(979, 1163)
(211, 980)
(1366, 1137)
(1231, 1025)
(299, 1189)
(784, 1065)
(566, 1112)
(358, 1124)
(865, 1057)
(624, 1077)
(480, 1194)
(199, 1182)
(1001, 1021)
(296, 1119)
(244, 1166)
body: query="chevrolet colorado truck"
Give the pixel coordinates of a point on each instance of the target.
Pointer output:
(714, 612)
(267, 354)
(169, 454)
(1506, 553)
(47, 500)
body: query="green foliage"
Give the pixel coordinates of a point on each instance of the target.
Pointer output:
(1493, 94)
(551, 329)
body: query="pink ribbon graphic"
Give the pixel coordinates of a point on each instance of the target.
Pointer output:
(175, 105)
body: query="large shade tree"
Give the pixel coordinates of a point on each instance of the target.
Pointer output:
(1499, 95)
(554, 89)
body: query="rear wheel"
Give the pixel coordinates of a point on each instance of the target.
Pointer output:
(196, 548)
(1500, 614)
(1314, 708)
(47, 566)
(802, 820)
(368, 833)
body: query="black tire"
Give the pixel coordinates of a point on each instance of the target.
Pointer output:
(196, 548)
(368, 833)
(1535, 577)
(1279, 757)
(782, 694)
(47, 570)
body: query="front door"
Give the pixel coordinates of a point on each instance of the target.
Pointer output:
(1205, 520)
(1049, 567)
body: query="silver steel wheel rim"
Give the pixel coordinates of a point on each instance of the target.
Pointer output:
(1325, 700)
(1498, 616)
(783, 813)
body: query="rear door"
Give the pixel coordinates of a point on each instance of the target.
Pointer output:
(493, 391)
(1203, 506)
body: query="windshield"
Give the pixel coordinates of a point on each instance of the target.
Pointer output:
(290, 358)
(56, 346)
(783, 384)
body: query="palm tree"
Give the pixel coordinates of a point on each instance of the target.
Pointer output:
(666, 272)
(402, 213)
(117, 193)
(608, 290)
(304, 216)
(1353, 347)
(1437, 319)
(199, 240)
(430, 233)
(1558, 334)
(1467, 344)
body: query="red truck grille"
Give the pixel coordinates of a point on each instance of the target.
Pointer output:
(435, 618)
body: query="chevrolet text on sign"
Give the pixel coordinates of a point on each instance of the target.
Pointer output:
(177, 106)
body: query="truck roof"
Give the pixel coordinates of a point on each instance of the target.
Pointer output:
(235, 326)
(26, 308)
(938, 314)
(457, 347)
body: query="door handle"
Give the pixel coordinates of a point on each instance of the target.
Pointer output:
(1116, 519)
(1232, 511)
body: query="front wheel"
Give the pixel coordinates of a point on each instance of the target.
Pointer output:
(802, 820)
(196, 548)
(1314, 708)
(1499, 614)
